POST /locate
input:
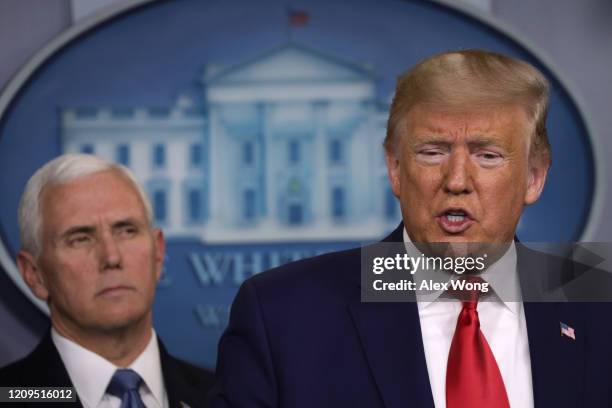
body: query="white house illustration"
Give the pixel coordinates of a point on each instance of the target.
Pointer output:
(286, 147)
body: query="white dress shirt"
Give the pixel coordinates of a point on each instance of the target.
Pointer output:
(91, 373)
(502, 323)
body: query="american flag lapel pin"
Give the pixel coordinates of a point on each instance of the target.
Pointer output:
(567, 331)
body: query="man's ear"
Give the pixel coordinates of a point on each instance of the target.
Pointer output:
(160, 250)
(32, 275)
(538, 171)
(393, 171)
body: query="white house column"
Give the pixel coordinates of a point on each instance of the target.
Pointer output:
(271, 217)
(215, 195)
(320, 194)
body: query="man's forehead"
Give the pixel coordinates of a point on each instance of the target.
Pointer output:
(107, 190)
(446, 121)
(89, 183)
(470, 111)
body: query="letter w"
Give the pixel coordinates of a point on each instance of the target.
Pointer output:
(209, 269)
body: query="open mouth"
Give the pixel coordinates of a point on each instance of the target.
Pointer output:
(455, 221)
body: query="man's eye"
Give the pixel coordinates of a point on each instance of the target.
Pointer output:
(128, 231)
(431, 156)
(489, 158)
(430, 152)
(79, 240)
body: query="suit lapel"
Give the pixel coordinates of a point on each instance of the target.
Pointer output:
(390, 335)
(45, 367)
(181, 393)
(55, 373)
(557, 362)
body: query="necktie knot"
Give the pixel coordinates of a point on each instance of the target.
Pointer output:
(124, 385)
(468, 291)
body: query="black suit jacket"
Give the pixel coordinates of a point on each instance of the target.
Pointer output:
(299, 336)
(43, 367)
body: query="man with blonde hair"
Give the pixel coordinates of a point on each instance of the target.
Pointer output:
(466, 151)
(91, 252)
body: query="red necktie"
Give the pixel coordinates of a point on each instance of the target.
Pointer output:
(473, 379)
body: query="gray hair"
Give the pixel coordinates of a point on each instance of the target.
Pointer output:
(62, 170)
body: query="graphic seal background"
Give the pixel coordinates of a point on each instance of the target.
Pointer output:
(146, 78)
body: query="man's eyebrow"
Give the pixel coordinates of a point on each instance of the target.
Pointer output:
(434, 140)
(482, 141)
(437, 140)
(476, 141)
(127, 222)
(78, 229)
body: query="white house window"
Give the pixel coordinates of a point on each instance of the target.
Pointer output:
(160, 203)
(195, 205)
(123, 154)
(159, 155)
(248, 153)
(294, 152)
(338, 202)
(249, 204)
(336, 153)
(195, 154)
(87, 149)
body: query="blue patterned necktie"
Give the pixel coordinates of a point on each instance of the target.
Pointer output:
(124, 385)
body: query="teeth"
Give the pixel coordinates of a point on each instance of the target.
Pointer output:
(455, 218)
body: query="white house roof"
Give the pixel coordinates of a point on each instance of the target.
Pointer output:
(289, 63)
(289, 73)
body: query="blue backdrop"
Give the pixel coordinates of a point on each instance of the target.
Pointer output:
(155, 55)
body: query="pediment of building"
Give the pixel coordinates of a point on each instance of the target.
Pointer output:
(291, 64)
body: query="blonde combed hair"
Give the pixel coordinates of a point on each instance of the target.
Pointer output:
(472, 78)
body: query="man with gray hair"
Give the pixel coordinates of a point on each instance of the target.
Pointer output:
(91, 252)
(466, 151)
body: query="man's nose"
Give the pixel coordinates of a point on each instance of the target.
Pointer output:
(110, 252)
(458, 173)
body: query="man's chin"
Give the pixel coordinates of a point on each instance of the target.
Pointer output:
(122, 319)
(457, 245)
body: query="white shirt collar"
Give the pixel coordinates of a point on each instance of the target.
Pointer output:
(91, 373)
(148, 366)
(501, 276)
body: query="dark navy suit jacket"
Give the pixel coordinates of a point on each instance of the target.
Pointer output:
(299, 336)
(186, 385)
